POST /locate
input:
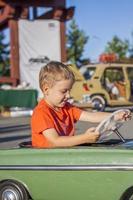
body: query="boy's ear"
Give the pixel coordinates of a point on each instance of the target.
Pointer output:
(45, 89)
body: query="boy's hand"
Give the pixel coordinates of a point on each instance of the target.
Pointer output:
(123, 115)
(92, 135)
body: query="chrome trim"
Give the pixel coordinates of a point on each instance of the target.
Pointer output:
(68, 167)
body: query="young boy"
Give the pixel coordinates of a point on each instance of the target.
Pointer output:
(53, 118)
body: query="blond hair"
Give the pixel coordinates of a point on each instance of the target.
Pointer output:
(54, 71)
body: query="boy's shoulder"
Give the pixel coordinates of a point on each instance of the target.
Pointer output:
(41, 107)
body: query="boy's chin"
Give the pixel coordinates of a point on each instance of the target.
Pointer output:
(62, 104)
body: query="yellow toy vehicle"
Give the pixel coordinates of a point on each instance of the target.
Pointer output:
(102, 84)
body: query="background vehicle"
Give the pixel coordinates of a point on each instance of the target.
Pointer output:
(108, 84)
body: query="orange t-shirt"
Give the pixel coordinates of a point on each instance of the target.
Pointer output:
(44, 117)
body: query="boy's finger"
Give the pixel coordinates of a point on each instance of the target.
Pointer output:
(92, 129)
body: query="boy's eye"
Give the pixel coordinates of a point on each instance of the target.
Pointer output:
(63, 91)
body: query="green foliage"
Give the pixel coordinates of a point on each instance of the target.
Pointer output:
(4, 56)
(118, 46)
(76, 40)
(131, 47)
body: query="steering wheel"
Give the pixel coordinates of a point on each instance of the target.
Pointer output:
(110, 125)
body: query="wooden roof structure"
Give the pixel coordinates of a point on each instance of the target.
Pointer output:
(13, 10)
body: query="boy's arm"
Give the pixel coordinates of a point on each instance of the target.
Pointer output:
(93, 116)
(99, 116)
(90, 136)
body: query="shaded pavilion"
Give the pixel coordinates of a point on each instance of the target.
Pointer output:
(13, 10)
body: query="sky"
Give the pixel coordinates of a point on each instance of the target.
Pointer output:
(101, 20)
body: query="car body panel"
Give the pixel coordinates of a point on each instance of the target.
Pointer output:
(77, 91)
(70, 173)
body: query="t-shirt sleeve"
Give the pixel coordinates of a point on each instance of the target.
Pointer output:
(75, 111)
(41, 121)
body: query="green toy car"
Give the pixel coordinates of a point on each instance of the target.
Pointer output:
(101, 171)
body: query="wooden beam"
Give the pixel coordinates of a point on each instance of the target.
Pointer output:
(52, 14)
(21, 12)
(70, 12)
(61, 14)
(24, 13)
(2, 3)
(3, 19)
(6, 13)
(41, 3)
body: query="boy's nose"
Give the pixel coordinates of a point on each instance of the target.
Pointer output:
(68, 95)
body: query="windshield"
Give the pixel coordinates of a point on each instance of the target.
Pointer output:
(130, 73)
(87, 72)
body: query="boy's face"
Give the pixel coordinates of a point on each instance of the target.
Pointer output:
(59, 93)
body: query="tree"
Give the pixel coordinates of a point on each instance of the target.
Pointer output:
(76, 40)
(4, 56)
(131, 47)
(118, 46)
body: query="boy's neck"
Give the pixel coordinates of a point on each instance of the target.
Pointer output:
(51, 106)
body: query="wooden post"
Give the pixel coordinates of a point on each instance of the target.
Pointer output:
(14, 60)
(63, 41)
